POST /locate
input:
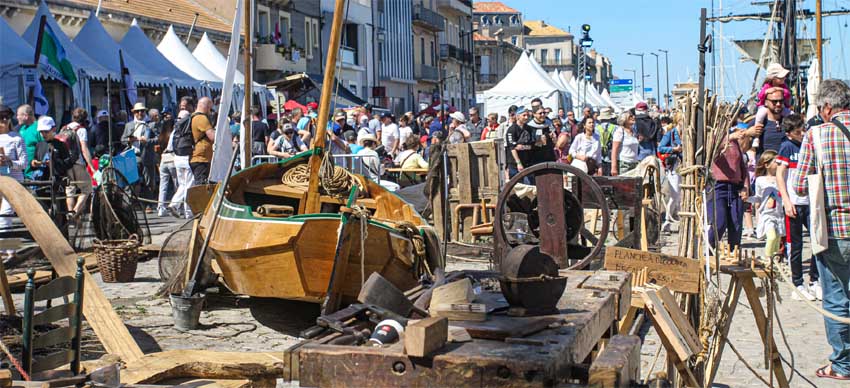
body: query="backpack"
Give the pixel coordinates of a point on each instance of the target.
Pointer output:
(184, 141)
(69, 137)
(606, 137)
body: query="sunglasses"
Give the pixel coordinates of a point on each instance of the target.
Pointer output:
(775, 101)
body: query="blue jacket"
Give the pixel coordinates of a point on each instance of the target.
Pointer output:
(671, 139)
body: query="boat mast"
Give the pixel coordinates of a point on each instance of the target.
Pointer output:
(246, 107)
(819, 36)
(311, 204)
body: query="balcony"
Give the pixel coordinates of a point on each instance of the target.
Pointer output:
(459, 6)
(428, 18)
(555, 62)
(269, 58)
(452, 51)
(426, 73)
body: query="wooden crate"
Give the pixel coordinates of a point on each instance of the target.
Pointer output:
(475, 174)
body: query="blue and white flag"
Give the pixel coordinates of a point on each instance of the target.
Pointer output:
(41, 104)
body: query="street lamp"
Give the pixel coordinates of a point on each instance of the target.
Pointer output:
(642, 81)
(585, 43)
(657, 81)
(668, 98)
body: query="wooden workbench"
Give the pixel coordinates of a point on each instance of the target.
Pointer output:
(554, 355)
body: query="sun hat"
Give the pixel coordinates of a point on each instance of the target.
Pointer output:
(139, 106)
(776, 70)
(46, 123)
(606, 114)
(457, 116)
(366, 137)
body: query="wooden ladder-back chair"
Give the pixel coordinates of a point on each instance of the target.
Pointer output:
(60, 287)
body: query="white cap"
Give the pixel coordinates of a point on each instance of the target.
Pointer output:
(102, 113)
(776, 70)
(458, 117)
(46, 123)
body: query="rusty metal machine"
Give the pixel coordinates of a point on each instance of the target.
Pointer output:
(538, 229)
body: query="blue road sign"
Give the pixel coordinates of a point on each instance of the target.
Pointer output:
(647, 90)
(621, 82)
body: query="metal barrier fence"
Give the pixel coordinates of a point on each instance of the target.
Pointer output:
(351, 162)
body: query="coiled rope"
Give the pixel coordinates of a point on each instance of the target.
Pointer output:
(334, 180)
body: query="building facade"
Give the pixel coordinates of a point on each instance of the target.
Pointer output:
(357, 54)
(551, 46)
(456, 53)
(286, 37)
(427, 23)
(497, 42)
(395, 56)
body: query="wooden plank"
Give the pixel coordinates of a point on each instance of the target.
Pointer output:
(423, 337)
(194, 250)
(52, 360)
(105, 322)
(157, 367)
(53, 337)
(550, 210)
(461, 311)
(6, 291)
(616, 282)
(682, 323)
(455, 292)
(618, 365)
(761, 322)
(679, 274)
(57, 288)
(665, 325)
(727, 312)
(499, 327)
(54, 314)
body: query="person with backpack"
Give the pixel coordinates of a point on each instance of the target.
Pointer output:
(75, 137)
(648, 132)
(185, 179)
(201, 141)
(605, 130)
(51, 154)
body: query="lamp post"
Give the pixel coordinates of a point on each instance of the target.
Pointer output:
(657, 80)
(642, 81)
(585, 43)
(668, 98)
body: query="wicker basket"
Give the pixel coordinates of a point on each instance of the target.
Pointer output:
(117, 259)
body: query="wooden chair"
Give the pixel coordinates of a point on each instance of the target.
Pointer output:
(58, 288)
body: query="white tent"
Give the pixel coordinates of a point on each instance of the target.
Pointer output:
(522, 84)
(175, 51)
(206, 52)
(137, 45)
(557, 76)
(607, 97)
(593, 94)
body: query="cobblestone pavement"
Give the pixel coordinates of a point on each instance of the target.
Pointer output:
(231, 323)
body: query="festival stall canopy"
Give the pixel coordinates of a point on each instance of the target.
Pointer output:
(79, 60)
(15, 53)
(522, 84)
(175, 51)
(137, 45)
(206, 52)
(99, 45)
(607, 97)
(558, 77)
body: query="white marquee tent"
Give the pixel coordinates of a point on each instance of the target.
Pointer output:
(607, 97)
(175, 51)
(522, 84)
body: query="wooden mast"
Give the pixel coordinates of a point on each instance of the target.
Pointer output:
(311, 204)
(246, 120)
(819, 35)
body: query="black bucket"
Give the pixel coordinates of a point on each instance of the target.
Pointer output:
(186, 311)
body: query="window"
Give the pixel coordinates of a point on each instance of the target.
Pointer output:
(263, 22)
(422, 50)
(514, 40)
(307, 39)
(543, 54)
(433, 54)
(558, 55)
(315, 23)
(283, 24)
(531, 52)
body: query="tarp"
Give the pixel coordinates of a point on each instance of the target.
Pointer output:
(16, 52)
(99, 45)
(522, 84)
(79, 59)
(137, 45)
(175, 51)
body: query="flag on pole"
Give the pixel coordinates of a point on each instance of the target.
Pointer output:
(129, 85)
(41, 105)
(278, 38)
(55, 54)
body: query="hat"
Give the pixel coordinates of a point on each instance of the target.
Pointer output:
(606, 114)
(287, 126)
(512, 109)
(520, 110)
(457, 116)
(139, 106)
(339, 115)
(385, 115)
(641, 106)
(366, 137)
(312, 105)
(776, 70)
(46, 123)
(102, 113)
(367, 106)
(350, 136)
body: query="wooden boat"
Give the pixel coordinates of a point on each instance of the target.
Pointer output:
(293, 241)
(292, 257)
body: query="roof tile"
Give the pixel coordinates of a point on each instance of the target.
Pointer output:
(491, 7)
(541, 28)
(167, 11)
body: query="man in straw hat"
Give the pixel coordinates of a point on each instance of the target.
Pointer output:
(137, 134)
(605, 129)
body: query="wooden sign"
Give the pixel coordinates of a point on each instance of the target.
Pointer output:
(676, 273)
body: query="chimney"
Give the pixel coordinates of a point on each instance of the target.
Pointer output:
(543, 23)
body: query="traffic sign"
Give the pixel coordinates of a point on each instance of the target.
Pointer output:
(621, 82)
(647, 90)
(615, 89)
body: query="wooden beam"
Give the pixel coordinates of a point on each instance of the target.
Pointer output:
(761, 322)
(105, 322)
(423, 337)
(173, 364)
(618, 365)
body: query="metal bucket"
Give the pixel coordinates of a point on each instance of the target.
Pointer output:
(186, 311)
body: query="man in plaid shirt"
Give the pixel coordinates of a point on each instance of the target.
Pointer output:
(834, 264)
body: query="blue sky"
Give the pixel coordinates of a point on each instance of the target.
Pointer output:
(620, 26)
